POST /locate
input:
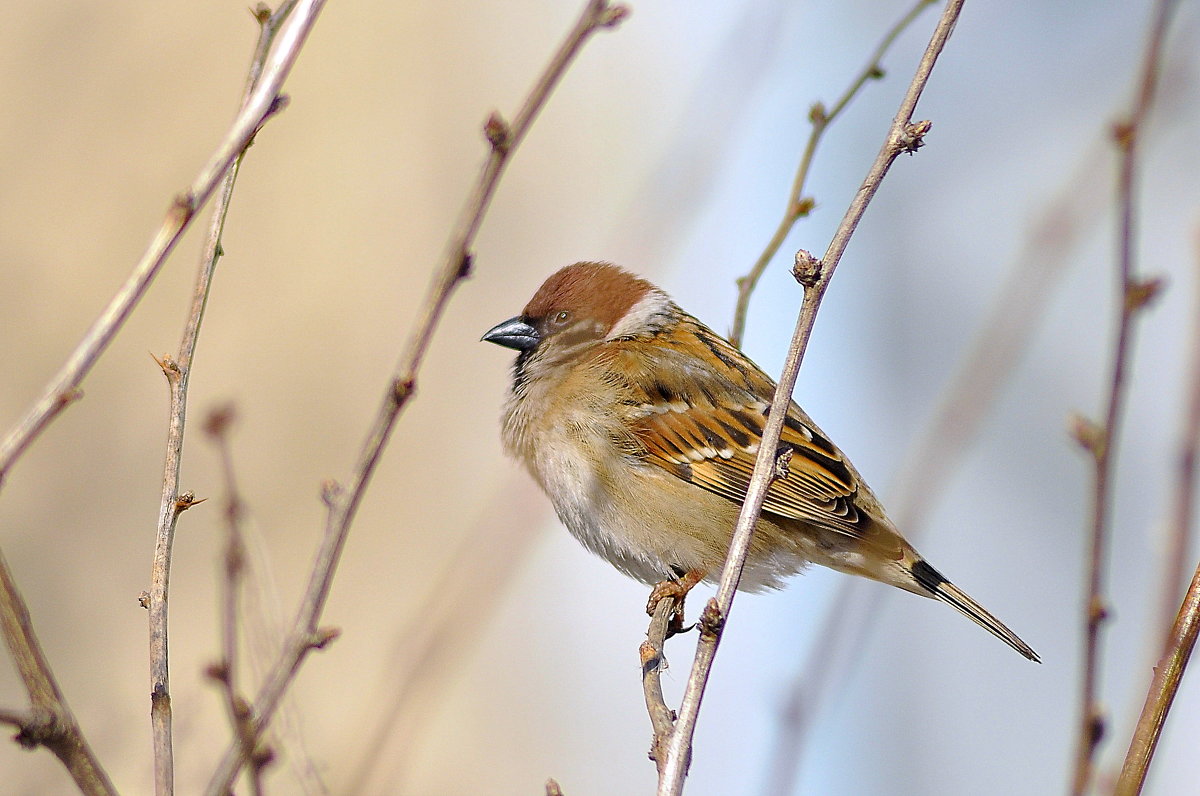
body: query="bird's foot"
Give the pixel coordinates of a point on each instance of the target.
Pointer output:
(676, 589)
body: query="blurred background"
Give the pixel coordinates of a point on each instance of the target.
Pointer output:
(482, 649)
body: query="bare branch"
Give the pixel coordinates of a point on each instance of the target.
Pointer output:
(50, 722)
(662, 718)
(225, 671)
(1181, 637)
(178, 370)
(814, 275)
(263, 102)
(927, 466)
(1100, 439)
(455, 266)
(797, 206)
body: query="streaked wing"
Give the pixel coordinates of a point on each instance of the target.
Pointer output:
(709, 448)
(704, 427)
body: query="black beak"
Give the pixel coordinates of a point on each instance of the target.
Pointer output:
(513, 333)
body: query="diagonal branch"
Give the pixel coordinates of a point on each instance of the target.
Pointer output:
(799, 206)
(455, 266)
(50, 723)
(929, 463)
(814, 275)
(1100, 440)
(1181, 639)
(63, 389)
(56, 728)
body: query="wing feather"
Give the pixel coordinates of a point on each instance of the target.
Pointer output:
(704, 424)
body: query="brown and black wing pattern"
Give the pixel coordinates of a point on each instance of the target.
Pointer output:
(704, 424)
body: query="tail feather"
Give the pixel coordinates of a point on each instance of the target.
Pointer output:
(940, 588)
(952, 595)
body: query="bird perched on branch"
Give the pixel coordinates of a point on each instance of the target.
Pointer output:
(641, 424)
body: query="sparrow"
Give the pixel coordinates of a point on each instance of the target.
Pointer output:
(641, 425)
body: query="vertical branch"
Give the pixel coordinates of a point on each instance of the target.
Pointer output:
(799, 206)
(178, 370)
(225, 671)
(1100, 440)
(814, 275)
(1181, 639)
(343, 502)
(650, 653)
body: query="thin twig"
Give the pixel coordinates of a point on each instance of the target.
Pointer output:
(178, 370)
(1181, 637)
(49, 722)
(1167, 675)
(1174, 577)
(814, 276)
(930, 462)
(455, 266)
(225, 671)
(662, 718)
(799, 206)
(1101, 440)
(63, 389)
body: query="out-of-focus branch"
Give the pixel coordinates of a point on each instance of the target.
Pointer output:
(64, 387)
(429, 647)
(927, 467)
(1181, 638)
(799, 206)
(814, 275)
(455, 266)
(225, 671)
(49, 722)
(1100, 440)
(1180, 530)
(178, 370)
(58, 729)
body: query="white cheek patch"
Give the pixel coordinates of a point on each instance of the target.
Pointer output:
(651, 312)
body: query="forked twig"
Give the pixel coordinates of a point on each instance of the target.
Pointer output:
(178, 371)
(49, 722)
(814, 275)
(798, 206)
(455, 266)
(1100, 440)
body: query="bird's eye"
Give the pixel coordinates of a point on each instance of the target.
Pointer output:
(561, 318)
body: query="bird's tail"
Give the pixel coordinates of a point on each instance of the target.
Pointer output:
(935, 585)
